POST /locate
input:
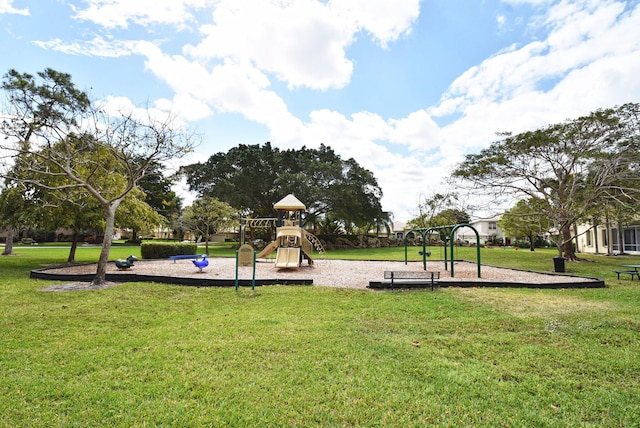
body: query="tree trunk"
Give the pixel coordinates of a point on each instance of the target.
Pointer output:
(8, 245)
(532, 244)
(609, 242)
(74, 246)
(206, 243)
(110, 216)
(620, 239)
(567, 244)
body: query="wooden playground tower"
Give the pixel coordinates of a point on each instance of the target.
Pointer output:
(292, 243)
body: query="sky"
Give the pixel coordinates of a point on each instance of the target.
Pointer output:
(405, 87)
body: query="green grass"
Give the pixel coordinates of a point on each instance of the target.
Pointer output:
(144, 354)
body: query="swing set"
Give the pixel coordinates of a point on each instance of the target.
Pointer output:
(424, 233)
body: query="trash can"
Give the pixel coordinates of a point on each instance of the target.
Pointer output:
(558, 263)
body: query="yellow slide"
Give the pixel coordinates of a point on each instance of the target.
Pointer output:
(288, 257)
(267, 250)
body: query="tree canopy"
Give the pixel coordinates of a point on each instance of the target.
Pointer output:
(524, 219)
(158, 192)
(206, 216)
(439, 210)
(251, 178)
(571, 167)
(17, 210)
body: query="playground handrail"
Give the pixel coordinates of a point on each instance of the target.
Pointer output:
(314, 242)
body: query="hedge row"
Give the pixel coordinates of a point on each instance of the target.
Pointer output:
(158, 250)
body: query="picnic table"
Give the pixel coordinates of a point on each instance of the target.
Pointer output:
(630, 270)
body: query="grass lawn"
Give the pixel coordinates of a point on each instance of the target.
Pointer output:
(145, 354)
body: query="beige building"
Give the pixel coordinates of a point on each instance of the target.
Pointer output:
(599, 240)
(488, 231)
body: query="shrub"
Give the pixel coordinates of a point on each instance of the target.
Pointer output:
(158, 250)
(541, 243)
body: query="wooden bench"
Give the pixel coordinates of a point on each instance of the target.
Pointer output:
(186, 257)
(421, 277)
(630, 272)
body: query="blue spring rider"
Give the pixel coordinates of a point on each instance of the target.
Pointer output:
(201, 263)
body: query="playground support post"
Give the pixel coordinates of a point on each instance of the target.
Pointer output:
(246, 257)
(458, 226)
(425, 231)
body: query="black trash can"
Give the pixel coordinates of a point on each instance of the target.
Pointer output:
(558, 263)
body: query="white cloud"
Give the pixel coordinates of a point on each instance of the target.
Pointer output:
(301, 42)
(98, 46)
(159, 112)
(589, 54)
(120, 13)
(533, 2)
(227, 88)
(418, 131)
(6, 6)
(385, 20)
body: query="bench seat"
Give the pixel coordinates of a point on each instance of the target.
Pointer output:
(407, 278)
(629, 272)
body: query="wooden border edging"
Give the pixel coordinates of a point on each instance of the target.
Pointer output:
(133, 277)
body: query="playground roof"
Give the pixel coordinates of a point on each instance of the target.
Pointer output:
(289, 203)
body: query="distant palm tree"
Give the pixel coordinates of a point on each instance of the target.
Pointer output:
(381, 222)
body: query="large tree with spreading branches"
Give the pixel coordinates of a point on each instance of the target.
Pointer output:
(251, 178)
(570, 168)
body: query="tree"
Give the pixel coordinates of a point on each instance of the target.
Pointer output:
(438, 210)
(450, 216)
(244, 178)
(207, 216)
(383, 222)
(62, 204)
(20, 209)
(65, 135)
(526, 219)
(352, 196)
(13, 209)
(136, 214)
(74, 211)
(158, 194)
(571, 167)
(251, 178)
(69, 207)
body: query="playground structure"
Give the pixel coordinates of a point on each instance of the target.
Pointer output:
(292, 243)
(447, 240)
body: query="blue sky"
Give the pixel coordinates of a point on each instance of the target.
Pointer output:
(406, 87)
